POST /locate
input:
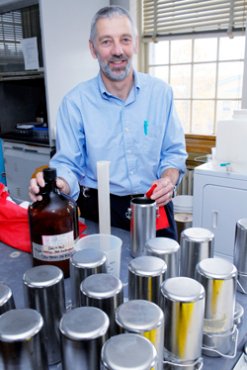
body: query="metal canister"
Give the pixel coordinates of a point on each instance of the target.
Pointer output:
(104, 291)
(84, 263)
(144, 318)
(44, 291)
(142, 214)
(146, 274)
(197, 243)
(83, 332)
(6, 298)
(21, 340)
(128, 351)
(219, 278)
(166, 249)
(182, 301)
(240, 254)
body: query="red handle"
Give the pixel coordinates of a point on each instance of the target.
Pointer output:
(151, 190)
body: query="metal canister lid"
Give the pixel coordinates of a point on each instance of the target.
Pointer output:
(161, 245)
(84, 323)
(216, 268)
(5, 293)
(182, 289)
(20, 325)
(42, 276)
(197, 234)
(242, 223)
(88, 258)
(101, 286)
(147, 266)
(128, 351)
(139, 315)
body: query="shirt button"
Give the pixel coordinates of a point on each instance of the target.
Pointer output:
(126, 129)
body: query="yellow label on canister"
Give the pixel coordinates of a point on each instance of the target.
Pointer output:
(184, 314)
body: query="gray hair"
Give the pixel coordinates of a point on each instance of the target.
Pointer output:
(109, 12)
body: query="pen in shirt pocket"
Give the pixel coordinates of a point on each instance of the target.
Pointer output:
(145, 127)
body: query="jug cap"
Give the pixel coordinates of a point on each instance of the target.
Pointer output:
(182, 289)
(101, 286)
(216, 268)
(84, 323)
(162, 244)
(242, 223)
(139, 315)
(147, 266)
(197, 234)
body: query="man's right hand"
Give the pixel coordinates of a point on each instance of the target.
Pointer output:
(38, 181)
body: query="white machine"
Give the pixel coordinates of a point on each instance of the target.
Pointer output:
(219, 201)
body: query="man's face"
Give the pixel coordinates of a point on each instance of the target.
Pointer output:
(114, 47)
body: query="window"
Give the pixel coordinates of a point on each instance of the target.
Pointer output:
(10, 36)
(14, 26)
(206, 76)
(187, 44)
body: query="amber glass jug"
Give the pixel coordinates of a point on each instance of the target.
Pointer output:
(53, 223)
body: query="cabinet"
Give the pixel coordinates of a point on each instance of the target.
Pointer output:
(219, 201)
(65, 28)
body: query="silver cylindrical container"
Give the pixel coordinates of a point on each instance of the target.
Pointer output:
(83, 332)
(104, 291)
(219, 278)
(183, 302)
(146, 274)
(196, 244)
(22, 341)
(142, 215)
(240, 254)
(84, 263)
(128, 351)
(168, 250)
(144, 318)
(44, 291)
(6, 298)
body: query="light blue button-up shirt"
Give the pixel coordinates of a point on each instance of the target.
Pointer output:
(141, 136)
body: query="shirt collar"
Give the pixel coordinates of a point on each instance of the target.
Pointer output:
(105, 94)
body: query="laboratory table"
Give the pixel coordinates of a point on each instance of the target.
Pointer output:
(14, 263)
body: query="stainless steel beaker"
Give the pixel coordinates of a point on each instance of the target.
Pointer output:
(84, 263)
(219, 278)
(6, 298)
(168, 250)
(22, 340)
(142, 214)
(146, 274)
(104, 291)
(128, 351)
(182, 301)
(240, 254)
(144, 318)
(83, 332)
(44, 291)
(197, 243)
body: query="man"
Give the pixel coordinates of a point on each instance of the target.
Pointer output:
(122, 116)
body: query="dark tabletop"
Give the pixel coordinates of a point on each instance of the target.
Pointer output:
(14, 263)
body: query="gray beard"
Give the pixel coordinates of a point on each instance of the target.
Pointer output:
(113, 75)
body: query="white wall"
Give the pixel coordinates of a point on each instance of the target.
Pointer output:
(244, 89)
(65, 27)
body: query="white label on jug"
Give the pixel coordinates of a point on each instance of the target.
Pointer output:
(54, 247)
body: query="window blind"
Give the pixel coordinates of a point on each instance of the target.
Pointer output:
(179, 17)
(14, 26)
